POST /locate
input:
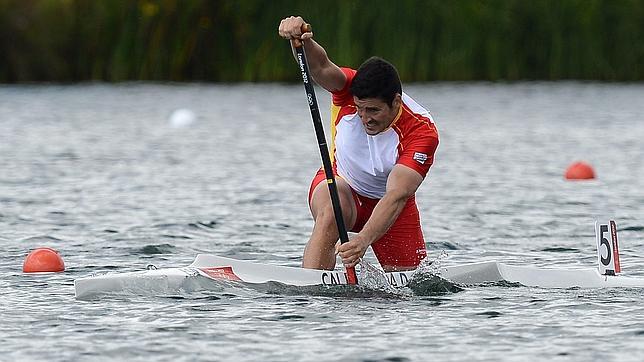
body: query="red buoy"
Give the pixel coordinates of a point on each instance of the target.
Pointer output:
(43, 260)
(580, 171)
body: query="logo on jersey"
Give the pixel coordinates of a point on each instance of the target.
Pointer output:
(420, 157)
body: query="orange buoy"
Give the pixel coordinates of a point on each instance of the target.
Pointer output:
(43, 260)
(580, 171)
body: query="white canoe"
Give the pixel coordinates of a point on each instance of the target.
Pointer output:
(220, 268)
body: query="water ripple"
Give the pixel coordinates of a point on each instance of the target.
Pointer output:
(96, 172)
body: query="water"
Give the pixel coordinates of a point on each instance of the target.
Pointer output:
(99, 173)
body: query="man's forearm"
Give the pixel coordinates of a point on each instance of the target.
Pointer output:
(315, 55)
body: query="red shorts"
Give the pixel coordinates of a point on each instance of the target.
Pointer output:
(403, 245)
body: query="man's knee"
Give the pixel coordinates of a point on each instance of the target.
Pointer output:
(322, 207)
(324, 215)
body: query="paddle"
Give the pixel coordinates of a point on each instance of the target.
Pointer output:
(324, 151)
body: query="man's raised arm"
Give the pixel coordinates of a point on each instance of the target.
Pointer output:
(325, 73)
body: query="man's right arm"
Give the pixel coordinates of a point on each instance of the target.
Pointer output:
(325, 73)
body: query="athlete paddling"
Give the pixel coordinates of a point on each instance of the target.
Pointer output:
(384, 145)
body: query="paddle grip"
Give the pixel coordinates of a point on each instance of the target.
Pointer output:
(306, 28)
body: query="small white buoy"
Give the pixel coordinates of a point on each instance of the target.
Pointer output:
(182, 117)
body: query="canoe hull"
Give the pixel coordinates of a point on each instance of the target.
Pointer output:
(221, 268)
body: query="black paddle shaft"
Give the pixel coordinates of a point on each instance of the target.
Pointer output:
(352, 278)
(324, 150)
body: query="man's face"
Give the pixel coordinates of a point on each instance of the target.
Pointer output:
(376, 114)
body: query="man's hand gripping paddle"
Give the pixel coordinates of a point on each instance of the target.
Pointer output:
(324, 151)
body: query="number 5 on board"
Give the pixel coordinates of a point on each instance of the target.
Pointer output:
(607, 248)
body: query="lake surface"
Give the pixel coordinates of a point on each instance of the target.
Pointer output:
(100, 174)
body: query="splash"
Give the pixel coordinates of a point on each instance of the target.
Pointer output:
(431, 266)
(374, 278)
(427, 278)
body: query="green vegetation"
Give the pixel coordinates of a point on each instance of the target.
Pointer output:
(236, 40)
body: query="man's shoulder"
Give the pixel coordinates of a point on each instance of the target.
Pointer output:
(338, 113)
(345, 110)
(415, 121)
(414, 109)
(343, 96)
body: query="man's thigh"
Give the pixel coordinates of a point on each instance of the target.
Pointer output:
(319, 197)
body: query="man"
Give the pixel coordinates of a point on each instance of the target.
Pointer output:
(384, 144)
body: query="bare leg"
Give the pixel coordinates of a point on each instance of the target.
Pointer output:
(320, 250)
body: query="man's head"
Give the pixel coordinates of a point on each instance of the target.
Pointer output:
(377, 94)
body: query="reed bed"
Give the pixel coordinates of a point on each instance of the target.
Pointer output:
(236, 40)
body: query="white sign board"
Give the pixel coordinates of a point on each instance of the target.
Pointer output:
(607, 248)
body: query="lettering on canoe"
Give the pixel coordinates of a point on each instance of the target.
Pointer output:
(396, 279)
(333, 278)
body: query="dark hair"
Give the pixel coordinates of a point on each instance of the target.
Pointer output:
(376, 78)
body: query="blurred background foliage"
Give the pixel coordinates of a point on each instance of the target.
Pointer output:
(236, 40)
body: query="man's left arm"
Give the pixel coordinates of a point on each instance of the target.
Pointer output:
(402, 183)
